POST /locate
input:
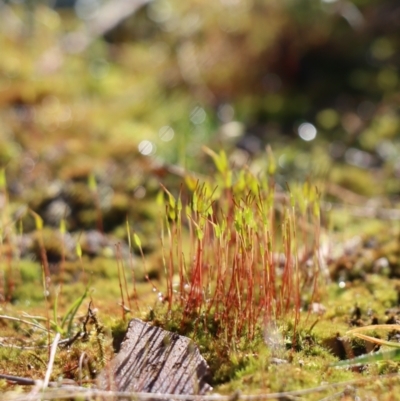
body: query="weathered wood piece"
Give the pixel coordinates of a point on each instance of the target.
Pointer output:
(156, 361)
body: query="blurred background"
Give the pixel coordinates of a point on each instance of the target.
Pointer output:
(127, 92)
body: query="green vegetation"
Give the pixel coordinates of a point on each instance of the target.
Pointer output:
(234, 182)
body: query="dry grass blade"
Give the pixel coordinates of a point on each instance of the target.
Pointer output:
(393, 354)
(391, 327)
(375, 327)
(376, 340)
(16, 319)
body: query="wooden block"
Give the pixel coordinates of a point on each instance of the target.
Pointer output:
(156, 361)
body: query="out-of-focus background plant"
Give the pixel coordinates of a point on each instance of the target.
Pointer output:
(87, 85)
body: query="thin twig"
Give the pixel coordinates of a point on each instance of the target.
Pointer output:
(18, 380)
(75, 391)
(66, 342)
(23, 347)
(332, 396)
(106, 18)
(51, 360)
(81, 359)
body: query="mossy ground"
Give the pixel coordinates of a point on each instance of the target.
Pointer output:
(278, 358)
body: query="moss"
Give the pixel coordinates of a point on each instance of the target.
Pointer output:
(118, 330)
(29, 271)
